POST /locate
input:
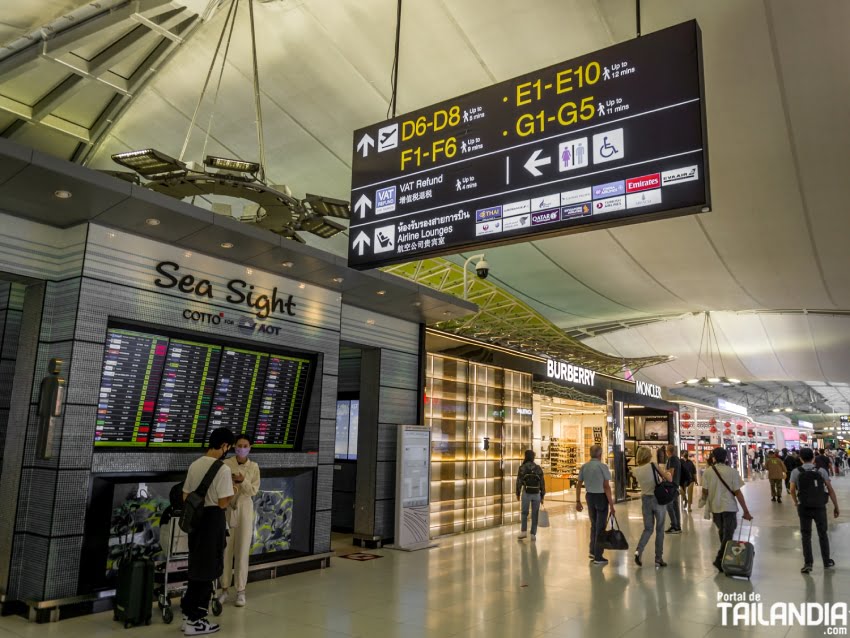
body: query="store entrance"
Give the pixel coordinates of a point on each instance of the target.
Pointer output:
(564, 431)
(645, 427)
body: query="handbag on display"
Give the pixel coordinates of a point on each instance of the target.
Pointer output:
(665, 491)
(613, 538)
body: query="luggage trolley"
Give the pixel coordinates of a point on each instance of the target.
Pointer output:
(174, 566)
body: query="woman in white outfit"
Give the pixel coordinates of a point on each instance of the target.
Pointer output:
(240, 519)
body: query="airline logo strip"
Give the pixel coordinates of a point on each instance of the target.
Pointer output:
(616, 133)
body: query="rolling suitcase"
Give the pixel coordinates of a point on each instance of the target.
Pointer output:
(134, 595)
(739, 556)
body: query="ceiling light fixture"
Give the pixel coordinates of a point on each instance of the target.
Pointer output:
(287, 264)
(62, 194)
(149, 162)
(231, 165)
(381, 292)
(226, 244)
(712, 350)
(152, 221)
(338, 280)
(302, 286)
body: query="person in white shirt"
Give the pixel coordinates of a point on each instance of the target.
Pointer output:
(207, 542)
(648, 475)
(240, 519)
(721, 489)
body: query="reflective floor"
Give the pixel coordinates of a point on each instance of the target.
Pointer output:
(491, 585)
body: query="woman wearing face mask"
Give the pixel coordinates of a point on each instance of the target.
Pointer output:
(240, 519)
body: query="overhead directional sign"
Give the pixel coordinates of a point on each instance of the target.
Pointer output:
(614, 137)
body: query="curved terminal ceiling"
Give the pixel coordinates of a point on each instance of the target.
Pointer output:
(777, 99)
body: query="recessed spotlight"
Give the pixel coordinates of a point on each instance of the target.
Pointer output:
(152, 221)
(338, 280)
(370, 322)
(302, 286)
(226, 244)
(446, 312)
(187, 254)
(417, 303)
(248, 271)
(287, 264)
(381, 292)
(63, 194)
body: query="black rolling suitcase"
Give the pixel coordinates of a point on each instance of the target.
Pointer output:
(134, 595)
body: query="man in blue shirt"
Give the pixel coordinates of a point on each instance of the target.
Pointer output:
(596, 478)
(810, 488)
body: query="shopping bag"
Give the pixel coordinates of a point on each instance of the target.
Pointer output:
(613, 538)
(543, 518)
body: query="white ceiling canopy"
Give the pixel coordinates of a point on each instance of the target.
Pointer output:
(778, 94)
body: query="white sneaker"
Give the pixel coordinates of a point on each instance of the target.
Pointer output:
(200, 628)
(533, 537)
(184, 623)
(240, 599)
(522, 535)
(223, 597)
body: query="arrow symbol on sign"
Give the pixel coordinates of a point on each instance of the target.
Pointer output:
(534, 161)
(361, 241)
(362, 204)
(365, 142)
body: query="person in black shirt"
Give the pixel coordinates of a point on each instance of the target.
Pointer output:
(689, 479)
(531, 488)
(674, 466)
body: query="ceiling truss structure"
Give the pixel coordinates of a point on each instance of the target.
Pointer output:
(62, 86)
(762, 397)
(504, 320)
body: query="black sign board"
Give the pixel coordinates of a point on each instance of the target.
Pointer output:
(614, 137)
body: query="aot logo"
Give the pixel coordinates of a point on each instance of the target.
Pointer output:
(561, 371)
(385, 200)
(643, 183)
(249, 326)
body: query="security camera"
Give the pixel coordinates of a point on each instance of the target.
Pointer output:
(482, 269)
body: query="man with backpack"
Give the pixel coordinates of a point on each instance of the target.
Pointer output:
(674, 467)
(810, 488)
(532, 488)
(207, 491)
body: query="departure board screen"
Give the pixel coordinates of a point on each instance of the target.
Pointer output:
(160, 390)
(236, 401)
(185, 394)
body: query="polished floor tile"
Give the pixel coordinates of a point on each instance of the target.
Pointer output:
(490, 584)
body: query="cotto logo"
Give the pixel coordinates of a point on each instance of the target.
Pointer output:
(643, 183)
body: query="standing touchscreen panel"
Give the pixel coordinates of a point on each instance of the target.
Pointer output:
(132, 368)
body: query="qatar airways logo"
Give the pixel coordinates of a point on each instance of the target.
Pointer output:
(643, 183)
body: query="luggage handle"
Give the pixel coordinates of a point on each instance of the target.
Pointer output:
(749, 531)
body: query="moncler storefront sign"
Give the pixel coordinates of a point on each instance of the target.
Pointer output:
(562, 371)
(648, 389)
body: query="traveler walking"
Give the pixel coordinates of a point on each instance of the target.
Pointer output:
(674, 467)
(207, 539)
(240, 520)
(596, 478)
(810, 488)
(648, 475)
(775, 474)
(689, 479)
(531, 487)
(721, 492)
(792, 462)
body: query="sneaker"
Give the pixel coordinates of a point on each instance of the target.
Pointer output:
(522, 535)
(200, 628)
(779, 500)
(240, 595)
(660, 563)
(637, 559)
(600, 561)
(591, 556)
(773, 499)
(807, 569)
(678, 530)
(670, 531)
(223, 597)
(533, 537)
(184, 623)
(830, 564)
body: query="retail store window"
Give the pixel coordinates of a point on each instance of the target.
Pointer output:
(347, 419)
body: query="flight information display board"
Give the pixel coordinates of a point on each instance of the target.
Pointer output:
(158, 390)
(613, 137)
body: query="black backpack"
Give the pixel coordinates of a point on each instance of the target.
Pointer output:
(192, 509)
(665, 491)
(811, 489)
(532, 481)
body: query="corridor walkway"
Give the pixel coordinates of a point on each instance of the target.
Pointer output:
(489, 585)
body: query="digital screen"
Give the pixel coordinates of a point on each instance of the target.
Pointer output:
(613, 137)
(164, 391)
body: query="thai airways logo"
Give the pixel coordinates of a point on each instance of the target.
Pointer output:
(488, 214)
(385, 200)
